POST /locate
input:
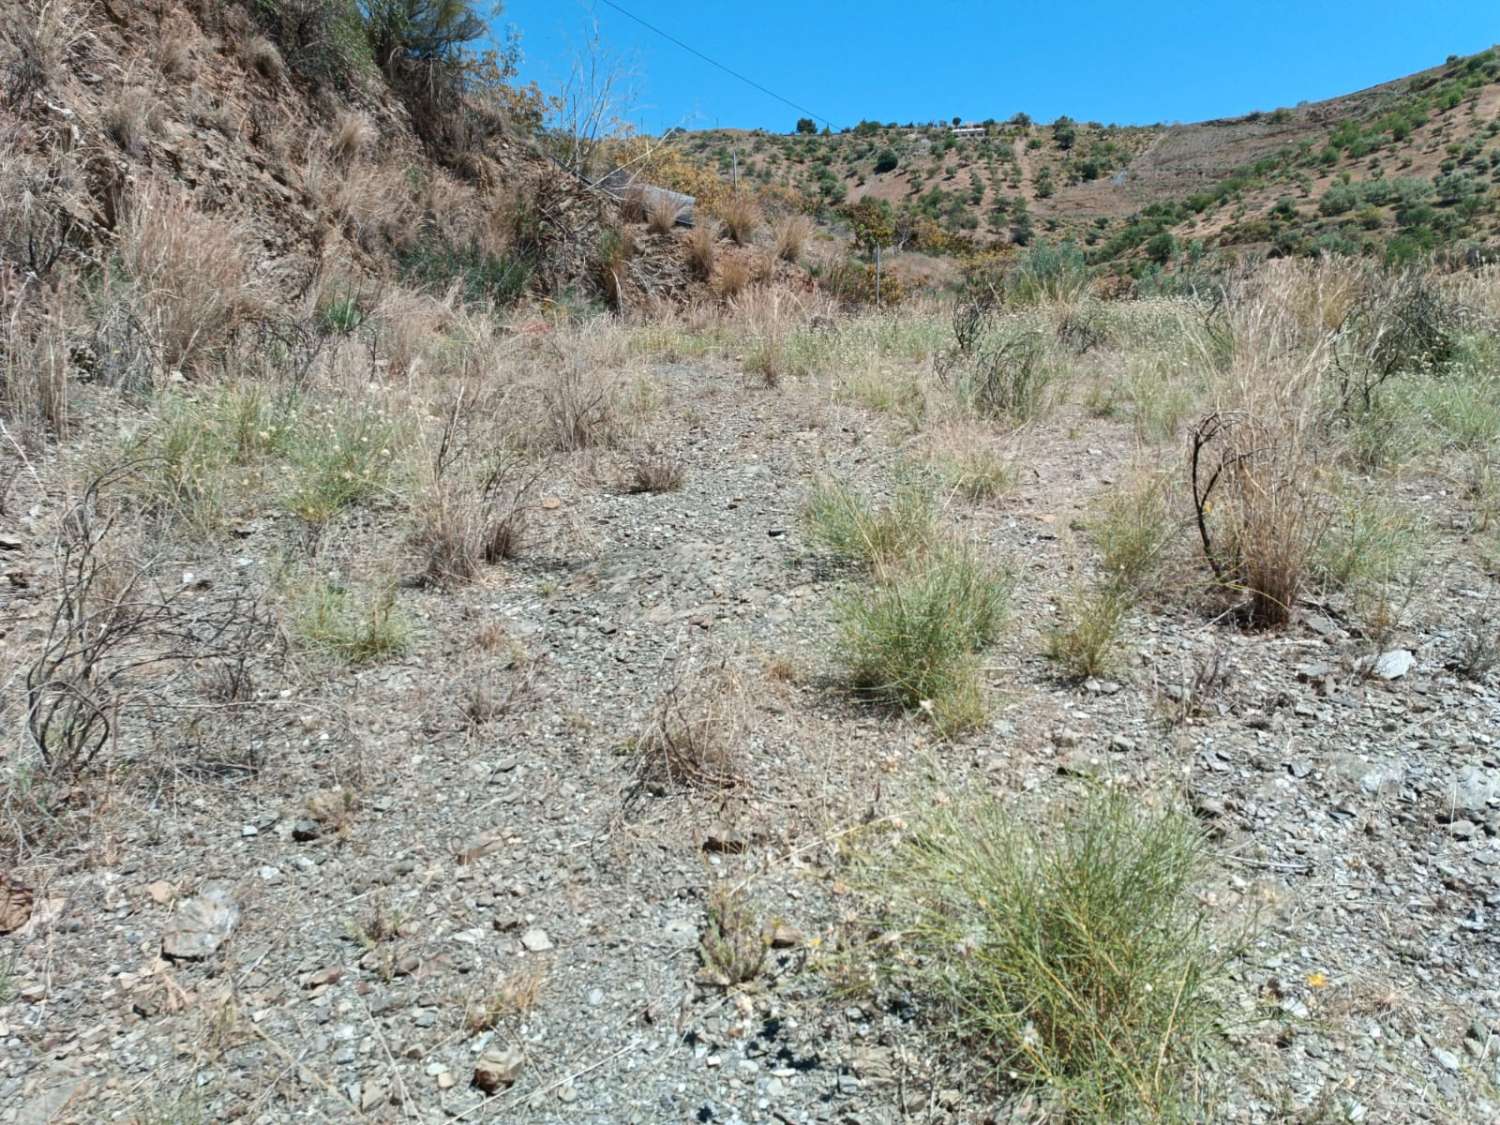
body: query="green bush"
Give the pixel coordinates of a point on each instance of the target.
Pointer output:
(911, 642)
(484, 277)
(886, 162)
(1076, 957)
(322, 41)
(845, 524)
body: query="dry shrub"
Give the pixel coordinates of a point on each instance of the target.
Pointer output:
(653, 469)
(34, 374)
(1261, 512)
(633, 204)
(369, 202)
(474, 509)
(742, 218)
(732, 278)
(187, 273)
(352, 136)
(131, 118)
(702, 244)
(691, 739)
(663, 214)
(173, 56)
(260, 55)
(792, 234)
(39, 44)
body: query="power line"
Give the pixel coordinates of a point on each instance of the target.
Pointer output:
(715, 62)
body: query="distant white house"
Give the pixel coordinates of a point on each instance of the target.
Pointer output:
(967, 130)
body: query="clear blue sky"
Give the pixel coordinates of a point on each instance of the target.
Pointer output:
(1126, 62)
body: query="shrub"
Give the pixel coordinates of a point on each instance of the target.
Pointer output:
(692, 737)
(886, 162)
(845, 524)
(483, 276)
(1005, 373)
(911, 642)
(1084, 640)
(1075, 957)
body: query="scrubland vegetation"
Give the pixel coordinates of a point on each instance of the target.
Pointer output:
(516, 581)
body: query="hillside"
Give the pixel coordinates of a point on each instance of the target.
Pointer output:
(1410, 163)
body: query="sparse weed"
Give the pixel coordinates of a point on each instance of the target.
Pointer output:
(511, 997)
(1133, 526)
(357, 627)
(340, 455)
(1085, 641)
(977, 474)
(733, 947)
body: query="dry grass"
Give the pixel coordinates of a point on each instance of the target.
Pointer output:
(352, 137)
(187, 273)
(174, 58)
(34, 390)
(131, 118)
(732, 278)
(655, 470)
(792, 235)
(662, 215)
(742, 218)
(692, 737)
(260, 55)
(702, 243)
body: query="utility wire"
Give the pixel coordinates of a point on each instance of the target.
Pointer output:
(715, 62)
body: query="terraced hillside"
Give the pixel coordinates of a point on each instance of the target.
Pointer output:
(1398, 168)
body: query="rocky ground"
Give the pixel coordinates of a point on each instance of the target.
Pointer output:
(352, 901)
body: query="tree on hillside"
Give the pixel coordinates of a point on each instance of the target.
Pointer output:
(806, 126)
(419, 30)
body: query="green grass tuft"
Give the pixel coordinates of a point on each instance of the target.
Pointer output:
(1076, 958)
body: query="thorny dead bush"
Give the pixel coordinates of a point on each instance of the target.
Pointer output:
(580, 410)
(1259, 513)
(121, 639)
(476, 505)
(691, 738)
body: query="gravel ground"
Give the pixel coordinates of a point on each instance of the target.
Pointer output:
(391, 867)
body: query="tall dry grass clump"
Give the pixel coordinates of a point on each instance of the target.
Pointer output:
(742, 218)
(702, 243)
(791, 235)
(187, 274)
(1258, 462)
(663, 214)
(353, 135)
